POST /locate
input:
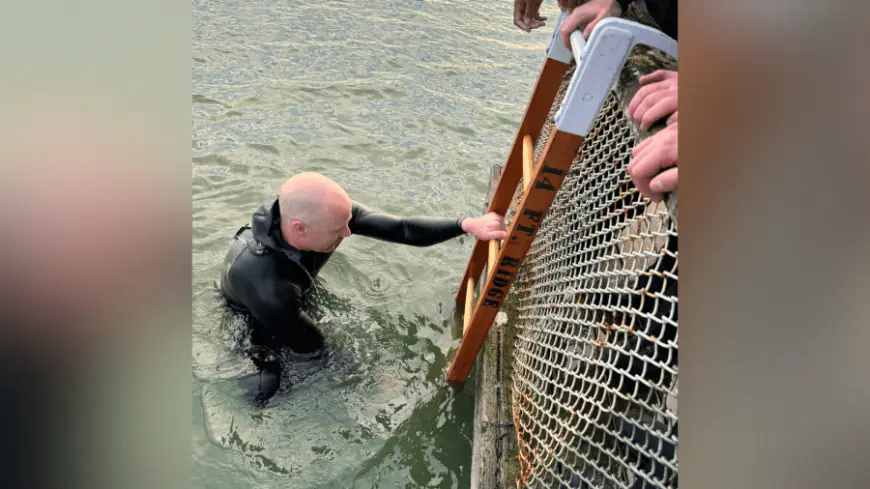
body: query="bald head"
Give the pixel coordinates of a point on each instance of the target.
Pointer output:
(314, 212)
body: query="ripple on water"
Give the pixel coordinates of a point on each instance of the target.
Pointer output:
(220, 162)
(266, 148)
(355, 401)
(201, 99)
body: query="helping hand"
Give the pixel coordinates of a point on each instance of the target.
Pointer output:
(653, 154)
(656, 99)
(587, 16)
(487, 227)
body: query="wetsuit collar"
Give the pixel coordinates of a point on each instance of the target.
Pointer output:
(266, 227)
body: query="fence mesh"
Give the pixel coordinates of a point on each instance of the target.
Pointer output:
(595, 354)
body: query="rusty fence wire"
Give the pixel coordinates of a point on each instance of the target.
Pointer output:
(595, 357)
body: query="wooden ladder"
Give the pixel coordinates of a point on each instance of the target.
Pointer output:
(542, 179)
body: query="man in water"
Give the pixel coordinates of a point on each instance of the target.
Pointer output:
(272, 262)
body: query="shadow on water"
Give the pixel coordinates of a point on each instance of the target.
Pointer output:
(431, 434)
(376, 410)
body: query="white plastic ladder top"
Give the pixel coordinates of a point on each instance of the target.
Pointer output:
(599, 62)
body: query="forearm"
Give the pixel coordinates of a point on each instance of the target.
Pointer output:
(305, 336)
(414, 231)
(417, 231)
(427, 231)
(292, 329)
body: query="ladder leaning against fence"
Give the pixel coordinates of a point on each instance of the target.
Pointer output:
(598, 64)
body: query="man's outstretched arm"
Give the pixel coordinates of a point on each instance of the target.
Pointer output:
(422, 231)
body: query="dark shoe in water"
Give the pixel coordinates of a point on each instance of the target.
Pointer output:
(262, 385)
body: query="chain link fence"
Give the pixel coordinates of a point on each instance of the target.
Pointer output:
(594, 383)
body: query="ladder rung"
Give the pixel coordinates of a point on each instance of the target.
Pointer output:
(469, 303)
(538, 110)
(556, 158)
(493, 254)
(528, 160)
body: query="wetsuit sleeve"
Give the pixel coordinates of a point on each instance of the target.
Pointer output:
(279, 312)
(415, 231)
(276, 307)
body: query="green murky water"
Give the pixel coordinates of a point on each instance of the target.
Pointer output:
(407, 105)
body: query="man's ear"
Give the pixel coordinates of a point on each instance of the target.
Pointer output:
(299, 228)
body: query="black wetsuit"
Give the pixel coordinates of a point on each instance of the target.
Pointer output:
(266, 278)
(664, 12)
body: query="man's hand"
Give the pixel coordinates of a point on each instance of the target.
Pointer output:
(526, 14)
(588, 15)
(656, 98)
(487, 227)
(653, 154)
